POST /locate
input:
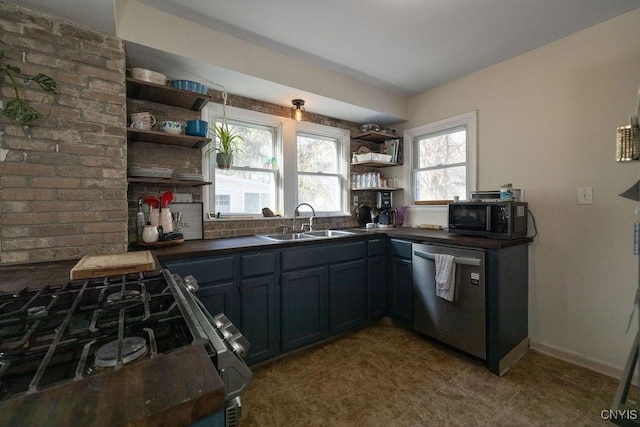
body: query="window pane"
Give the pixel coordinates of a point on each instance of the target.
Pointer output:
(441, 184)
(442, 149)
(257, 147)
(321, 192)
(247, 191)
(317, 154)
(222, 203)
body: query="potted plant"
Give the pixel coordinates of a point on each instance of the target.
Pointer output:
(227, 144)
(17, 108)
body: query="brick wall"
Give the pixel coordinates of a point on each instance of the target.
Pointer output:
(63, 179)
(187, 160)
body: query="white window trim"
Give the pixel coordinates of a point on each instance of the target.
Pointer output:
(467, 119)
(286, 144)
(342, 137)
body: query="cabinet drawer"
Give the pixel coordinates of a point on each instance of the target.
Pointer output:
(377, 247)
(322, 254)
(205, 270)
(400, 248)
(257, 264)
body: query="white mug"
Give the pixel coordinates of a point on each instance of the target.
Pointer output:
(142, 120)
(150, 234)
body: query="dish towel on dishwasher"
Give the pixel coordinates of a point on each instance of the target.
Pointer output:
(445, 276)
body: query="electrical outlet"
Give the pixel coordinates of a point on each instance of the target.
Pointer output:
(355, 200)
(585, 195)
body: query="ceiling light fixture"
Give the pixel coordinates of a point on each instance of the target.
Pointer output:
(298, 109)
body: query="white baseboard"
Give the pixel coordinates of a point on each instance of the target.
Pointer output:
(580, 360)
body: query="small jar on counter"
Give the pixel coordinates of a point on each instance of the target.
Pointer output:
(506, 192)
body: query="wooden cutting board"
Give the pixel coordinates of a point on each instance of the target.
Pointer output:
(92, 266)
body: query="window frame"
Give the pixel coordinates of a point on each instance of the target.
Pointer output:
(339, 173)
(286, 155)
(468, 120)
(212, 113)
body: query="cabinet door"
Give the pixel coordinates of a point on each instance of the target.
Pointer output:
(260, 310)
(216, 276)
(347, 295)
(304, 307)
(221, 298)
(401, 290)
(377, 293)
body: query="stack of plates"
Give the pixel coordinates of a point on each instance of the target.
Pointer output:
(150, 172)
(190, 177)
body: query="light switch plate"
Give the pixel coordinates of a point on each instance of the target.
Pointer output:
(585, 195)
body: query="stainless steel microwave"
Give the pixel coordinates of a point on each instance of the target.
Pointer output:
(501, 220)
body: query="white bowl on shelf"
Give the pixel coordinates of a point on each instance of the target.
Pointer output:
(148, 76)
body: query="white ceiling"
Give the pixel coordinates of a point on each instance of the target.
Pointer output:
(401, 46)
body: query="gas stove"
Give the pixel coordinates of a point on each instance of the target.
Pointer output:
(63, 336)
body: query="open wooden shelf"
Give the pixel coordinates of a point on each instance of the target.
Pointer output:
(165, 138)
(372, 136)
(375, 164)
(376, 189)
(163, 181)
(168, 95)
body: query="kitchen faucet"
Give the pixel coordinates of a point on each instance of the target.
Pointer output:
(311, 218)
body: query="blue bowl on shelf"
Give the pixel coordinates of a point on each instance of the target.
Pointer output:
(197, 128)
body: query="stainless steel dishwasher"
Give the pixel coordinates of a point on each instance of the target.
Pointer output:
(461, 323)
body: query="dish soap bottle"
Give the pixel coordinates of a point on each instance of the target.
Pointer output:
(139, 221)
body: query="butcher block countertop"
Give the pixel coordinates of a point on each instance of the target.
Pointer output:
(198, 248)
(14, 277)
(175, 389)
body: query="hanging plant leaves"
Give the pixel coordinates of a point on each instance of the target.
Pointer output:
(17, 108)
(21, 112)
(46, 82)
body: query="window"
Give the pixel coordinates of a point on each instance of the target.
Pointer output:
(282, 163)
(319, 173)
(444, 158)
(223, 203)
(251, 182)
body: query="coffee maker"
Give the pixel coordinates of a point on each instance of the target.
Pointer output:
(386, 212)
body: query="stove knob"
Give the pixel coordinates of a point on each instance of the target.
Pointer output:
(192, 284)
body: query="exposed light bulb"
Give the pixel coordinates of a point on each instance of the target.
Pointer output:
(298, 109)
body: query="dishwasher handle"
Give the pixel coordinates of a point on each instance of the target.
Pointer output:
(457, 260)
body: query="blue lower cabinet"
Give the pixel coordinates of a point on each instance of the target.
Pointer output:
(218, 281)
(304, 307)
(221, 298)
(377, 289)
(261, 317)
(400, 282)
(347, 295)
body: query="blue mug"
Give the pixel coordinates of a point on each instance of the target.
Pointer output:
(197, 128)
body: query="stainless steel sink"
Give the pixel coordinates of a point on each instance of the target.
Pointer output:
(307, 235)
(329, 233)
(285, 237)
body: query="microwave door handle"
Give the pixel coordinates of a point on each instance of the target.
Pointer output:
(488, 219)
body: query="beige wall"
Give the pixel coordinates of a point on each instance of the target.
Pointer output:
(546, 123)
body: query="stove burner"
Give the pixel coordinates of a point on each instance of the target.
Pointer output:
(132, 349)
(125, 295)
(37, 311)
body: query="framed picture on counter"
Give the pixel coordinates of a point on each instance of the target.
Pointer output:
(190, 223)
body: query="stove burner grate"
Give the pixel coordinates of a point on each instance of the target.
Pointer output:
(132, 349)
